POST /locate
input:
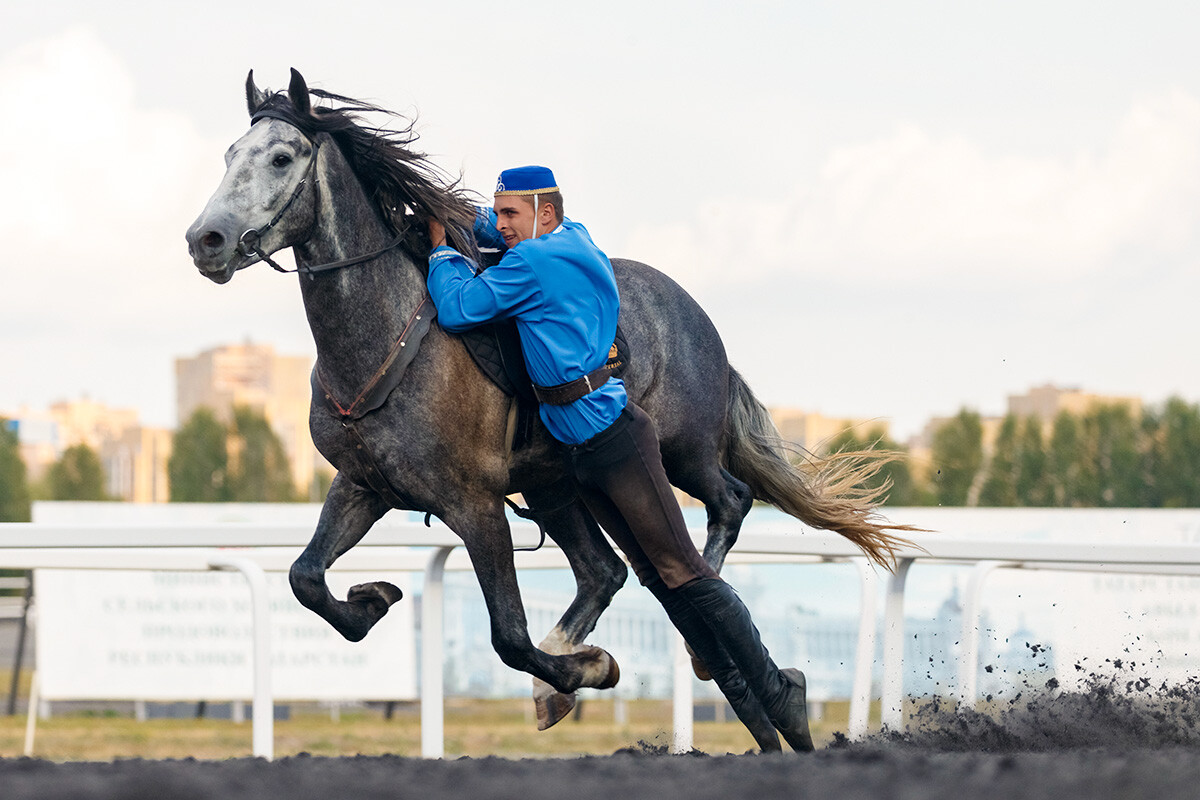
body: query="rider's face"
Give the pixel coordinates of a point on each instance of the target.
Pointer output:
(514, 219)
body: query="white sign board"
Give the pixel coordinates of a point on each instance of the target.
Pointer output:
(142, 635)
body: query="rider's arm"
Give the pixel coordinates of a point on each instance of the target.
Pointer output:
(464, 299)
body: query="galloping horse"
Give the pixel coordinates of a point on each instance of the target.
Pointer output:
(409, 421)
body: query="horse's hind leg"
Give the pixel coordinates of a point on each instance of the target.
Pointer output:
(726, 499)
(599, 573)
(348, 513)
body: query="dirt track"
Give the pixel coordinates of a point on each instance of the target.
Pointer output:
(1121, 739)
(866, 772)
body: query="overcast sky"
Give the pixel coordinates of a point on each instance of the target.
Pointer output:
(889, 209)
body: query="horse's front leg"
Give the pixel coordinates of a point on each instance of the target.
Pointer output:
(486, 535)
(348, 513)
(599, 573)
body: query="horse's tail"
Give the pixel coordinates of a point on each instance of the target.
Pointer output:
(828, 492)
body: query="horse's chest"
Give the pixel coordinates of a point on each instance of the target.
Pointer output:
(362, 452)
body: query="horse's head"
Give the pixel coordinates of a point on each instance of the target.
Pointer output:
(265, 202)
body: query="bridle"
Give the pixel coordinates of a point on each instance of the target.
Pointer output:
(249, 243)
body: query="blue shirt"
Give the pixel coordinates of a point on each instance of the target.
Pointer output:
(561, 291)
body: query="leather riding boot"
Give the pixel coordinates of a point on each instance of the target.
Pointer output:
(724, 672)
(781, 692)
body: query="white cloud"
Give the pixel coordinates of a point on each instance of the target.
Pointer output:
(86, 163)
(96, 192)
(919, 205)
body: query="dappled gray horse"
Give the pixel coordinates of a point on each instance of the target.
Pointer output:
(409, 421)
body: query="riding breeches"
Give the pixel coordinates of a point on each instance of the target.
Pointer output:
(623, 484)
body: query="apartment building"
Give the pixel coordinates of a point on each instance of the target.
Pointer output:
(254, 375)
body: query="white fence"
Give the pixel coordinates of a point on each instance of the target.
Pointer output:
(985, 544)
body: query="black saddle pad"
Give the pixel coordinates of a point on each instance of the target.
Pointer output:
(496, 350)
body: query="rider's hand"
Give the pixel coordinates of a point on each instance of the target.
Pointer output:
(437, 233)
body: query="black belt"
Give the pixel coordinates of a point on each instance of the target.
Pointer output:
(566, 393)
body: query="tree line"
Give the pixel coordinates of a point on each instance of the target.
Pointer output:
(76, 475)
(242, 461)
(1106, 457)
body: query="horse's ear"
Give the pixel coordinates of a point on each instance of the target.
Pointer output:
(255, 97)
(298, 92)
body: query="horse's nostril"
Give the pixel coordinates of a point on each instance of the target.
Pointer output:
(212, 241)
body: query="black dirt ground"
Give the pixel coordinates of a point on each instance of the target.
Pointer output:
(1119, 738)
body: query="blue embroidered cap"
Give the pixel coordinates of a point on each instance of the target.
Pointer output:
(526, 181)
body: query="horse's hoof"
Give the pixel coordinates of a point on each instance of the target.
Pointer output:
(613, 676)
(552, 708)
(379, 596)
(698, 666)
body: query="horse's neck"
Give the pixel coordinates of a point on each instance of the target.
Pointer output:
(355, 313)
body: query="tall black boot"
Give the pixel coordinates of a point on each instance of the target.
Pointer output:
(722, 668)
(781, 692)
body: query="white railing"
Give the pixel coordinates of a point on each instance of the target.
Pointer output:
(253, 548)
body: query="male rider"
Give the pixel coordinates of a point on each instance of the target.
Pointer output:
(561, 290)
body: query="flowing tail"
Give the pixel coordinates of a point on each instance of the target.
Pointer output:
(828, 492)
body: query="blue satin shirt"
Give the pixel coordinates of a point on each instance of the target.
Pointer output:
(561, 290)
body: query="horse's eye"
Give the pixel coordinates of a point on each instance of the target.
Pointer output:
(281, 160)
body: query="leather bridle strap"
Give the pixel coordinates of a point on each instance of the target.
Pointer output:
(250, 242)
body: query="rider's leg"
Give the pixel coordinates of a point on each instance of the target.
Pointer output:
(724, 671)
(625, 487)
(781, 692)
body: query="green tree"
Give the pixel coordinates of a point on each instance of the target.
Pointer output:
(1032, 481)
(1111, 448)
(903, 488)
(15, 503)
(1065, 462)
(957, 457)
(1000, 485)
(77, 475)
(259, 470)
(1174, 456)
(199, 464)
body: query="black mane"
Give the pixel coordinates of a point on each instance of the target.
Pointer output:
(397, 178)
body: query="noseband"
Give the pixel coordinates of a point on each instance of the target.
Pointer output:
(249, 243)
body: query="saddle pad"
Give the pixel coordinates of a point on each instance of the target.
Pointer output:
(496, 350)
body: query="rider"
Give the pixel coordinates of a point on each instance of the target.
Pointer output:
(561, 290)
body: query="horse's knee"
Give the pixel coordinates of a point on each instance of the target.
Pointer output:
(308, 585)
(613, 576)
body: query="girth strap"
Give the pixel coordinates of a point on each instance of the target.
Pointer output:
(370, 470)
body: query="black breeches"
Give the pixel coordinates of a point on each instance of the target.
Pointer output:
(623, 484)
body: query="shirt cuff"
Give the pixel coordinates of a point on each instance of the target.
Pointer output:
(443, 253)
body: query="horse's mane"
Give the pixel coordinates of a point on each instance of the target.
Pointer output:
(396, 177)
